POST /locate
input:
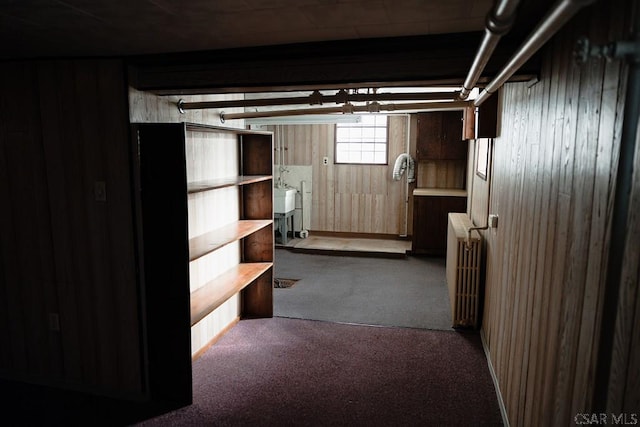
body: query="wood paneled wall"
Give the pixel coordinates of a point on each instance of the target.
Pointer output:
(67, 250)
(145, 107)
(349, 198)
(554, 167)
(441, 174)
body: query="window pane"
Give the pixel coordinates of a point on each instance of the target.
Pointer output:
(354, 146)
(380, 134)
(368, 134)
(342, 133)
(368, 157)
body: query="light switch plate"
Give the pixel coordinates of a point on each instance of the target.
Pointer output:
(100, 191)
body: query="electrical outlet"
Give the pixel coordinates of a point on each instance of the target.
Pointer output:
(325, 161)
(493, 221)
(100, 191)
(54, 322)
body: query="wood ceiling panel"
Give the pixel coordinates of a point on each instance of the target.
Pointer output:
(347, 14)
(259, 21)
(283, 37)
(124, 27)
(406, 11)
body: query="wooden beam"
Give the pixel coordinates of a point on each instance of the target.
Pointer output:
(444, 58)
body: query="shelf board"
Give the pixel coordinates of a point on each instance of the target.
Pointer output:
(200, 186)
(209, 242)
(212, 295)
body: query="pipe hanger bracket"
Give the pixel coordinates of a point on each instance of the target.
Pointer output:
(623, 49)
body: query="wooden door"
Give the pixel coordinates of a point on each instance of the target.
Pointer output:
(439, 136)
(452, 146)
(430, 222)
(429, 136)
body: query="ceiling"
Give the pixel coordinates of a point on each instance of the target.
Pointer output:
(80, 28)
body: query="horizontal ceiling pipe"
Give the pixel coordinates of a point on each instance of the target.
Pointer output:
(498, 22)
(316, 98)
(559, 15)
(349, 109)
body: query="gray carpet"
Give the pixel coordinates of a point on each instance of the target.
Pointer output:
(409, 292)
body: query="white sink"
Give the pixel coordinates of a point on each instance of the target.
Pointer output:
(284, 200)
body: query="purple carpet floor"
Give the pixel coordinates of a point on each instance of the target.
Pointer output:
(290, 372)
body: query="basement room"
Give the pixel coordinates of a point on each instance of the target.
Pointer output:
(320, 213)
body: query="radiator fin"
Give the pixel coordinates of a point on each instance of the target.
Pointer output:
(463, 271)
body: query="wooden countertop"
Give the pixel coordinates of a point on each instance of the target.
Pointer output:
(442, 192)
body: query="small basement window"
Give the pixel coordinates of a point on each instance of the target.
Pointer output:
(365, 142)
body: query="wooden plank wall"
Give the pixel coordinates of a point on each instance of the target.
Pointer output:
(64, 251)
(349, 198)
(145, 107)
(554, 168)
(441, 174)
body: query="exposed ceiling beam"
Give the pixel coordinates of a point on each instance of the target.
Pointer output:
(432, 58)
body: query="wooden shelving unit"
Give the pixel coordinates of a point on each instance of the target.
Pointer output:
(167, 196)
(440, 149)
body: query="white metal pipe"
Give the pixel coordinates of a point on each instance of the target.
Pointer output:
(559, 15)
(498, 22)
(349, 109)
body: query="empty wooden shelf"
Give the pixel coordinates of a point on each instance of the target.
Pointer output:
(209, 297)
(215, 239)
(200, 186)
